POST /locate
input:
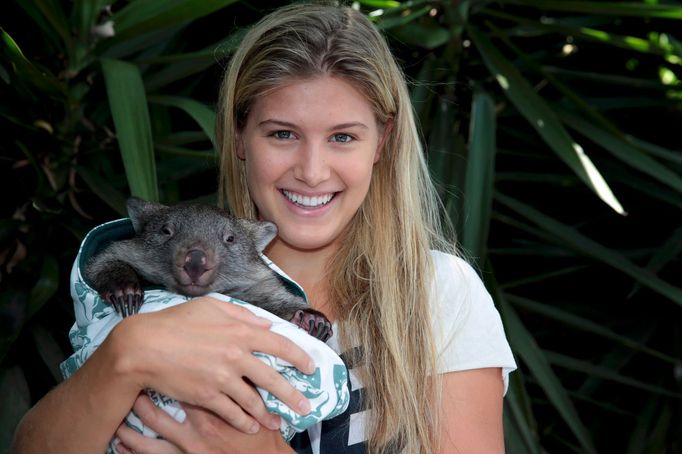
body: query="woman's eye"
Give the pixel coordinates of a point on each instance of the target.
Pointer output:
(283, 135)
(341, 138)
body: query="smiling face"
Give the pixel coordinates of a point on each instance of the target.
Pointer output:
(309, 149)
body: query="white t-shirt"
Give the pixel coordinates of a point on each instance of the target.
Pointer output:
(466, 325)
(468, 334)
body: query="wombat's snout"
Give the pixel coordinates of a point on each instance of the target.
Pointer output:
(195, 264)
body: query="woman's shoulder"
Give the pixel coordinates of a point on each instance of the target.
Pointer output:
(458, 293)
(467, 327)
(453, 275)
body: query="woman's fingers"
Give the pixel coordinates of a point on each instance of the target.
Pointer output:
(235, 415)
(271, 343)
(265, 377)
(281, 347)
(134, 442)
(158, 420)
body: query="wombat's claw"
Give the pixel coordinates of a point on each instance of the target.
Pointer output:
(314, 323)
(125, 304)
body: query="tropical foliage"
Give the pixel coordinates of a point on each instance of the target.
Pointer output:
(550, 128)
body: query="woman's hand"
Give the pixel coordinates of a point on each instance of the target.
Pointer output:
(201, 432)
(200, 352)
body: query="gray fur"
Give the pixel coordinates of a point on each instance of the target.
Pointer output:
(159, 254)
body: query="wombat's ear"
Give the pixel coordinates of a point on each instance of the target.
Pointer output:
(140, 211)
(263, 232)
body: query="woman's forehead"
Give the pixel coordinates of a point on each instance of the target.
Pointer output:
(323, 99)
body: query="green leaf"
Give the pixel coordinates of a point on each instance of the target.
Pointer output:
(45, 287)
(388, 23)
(541, 277)
(203, 115)
(15, 401)
(655, 150)
(583, 324)
(649, 435)
(605, 373)
(624, 151)
(172, 170)
(12, 316)
(128, 103)
(104, 190)
(180, 66)
(49, 351)
(39, 79)
(576, 240)
(625, 175)
(666, 253)
(605, 79)
(386, 4)
(519, 416)
(478, 189)
(48, 31)
(205, 156)
(524, 345)
(120, 46)
(664, 48)
(542, 118)
(427, 36)
(636, 9)
(145, 16)
(53, 12)
(84, 16)
(446, 153)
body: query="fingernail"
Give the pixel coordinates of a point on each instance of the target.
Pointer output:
(254, 428)
(311, 367)
(304, 406)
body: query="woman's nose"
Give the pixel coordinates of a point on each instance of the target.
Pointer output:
(312, 167)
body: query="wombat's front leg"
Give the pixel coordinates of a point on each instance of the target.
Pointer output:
(119, 285)
(314, 322)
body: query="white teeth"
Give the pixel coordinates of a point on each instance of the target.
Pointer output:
(308, 202)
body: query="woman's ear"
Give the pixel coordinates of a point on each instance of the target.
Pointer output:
(240, 147)
(388, 128)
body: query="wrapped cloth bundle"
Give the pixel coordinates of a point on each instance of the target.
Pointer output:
(326, 388)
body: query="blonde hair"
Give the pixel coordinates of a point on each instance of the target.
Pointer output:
(380, 278)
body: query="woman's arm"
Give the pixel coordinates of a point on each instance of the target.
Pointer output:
(82, 413)
(198, 352)
(471, 412)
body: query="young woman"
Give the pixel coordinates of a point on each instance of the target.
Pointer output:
(317, 135)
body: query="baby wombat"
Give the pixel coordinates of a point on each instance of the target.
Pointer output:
(193, 250)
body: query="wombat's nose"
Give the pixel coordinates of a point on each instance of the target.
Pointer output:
(195, 264)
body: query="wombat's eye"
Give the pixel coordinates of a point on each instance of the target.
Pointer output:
(229, 238)
(166, 230)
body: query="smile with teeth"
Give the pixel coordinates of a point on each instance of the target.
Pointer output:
(308, 202)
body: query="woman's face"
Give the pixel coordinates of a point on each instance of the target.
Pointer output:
(309, 149)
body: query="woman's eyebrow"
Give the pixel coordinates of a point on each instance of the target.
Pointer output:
(289, 125)
(355, 124)
(284, 124)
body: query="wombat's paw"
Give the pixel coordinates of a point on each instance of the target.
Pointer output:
(314, 322)
(126, 299)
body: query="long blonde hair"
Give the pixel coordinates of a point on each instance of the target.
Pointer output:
(380, 278)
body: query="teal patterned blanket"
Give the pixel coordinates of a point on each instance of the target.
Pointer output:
(326, 388)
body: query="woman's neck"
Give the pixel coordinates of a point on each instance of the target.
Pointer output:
(308, 268)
